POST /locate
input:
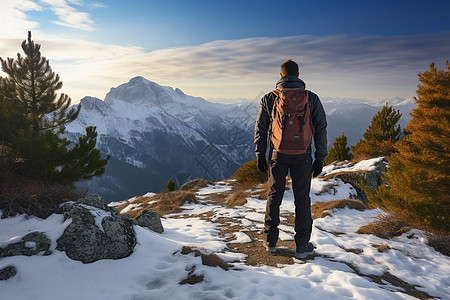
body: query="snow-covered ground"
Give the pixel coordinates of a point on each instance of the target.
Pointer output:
(156, 267)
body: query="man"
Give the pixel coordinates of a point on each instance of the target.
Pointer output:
(281, 161)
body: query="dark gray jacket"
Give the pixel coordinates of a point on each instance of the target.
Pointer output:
(318, 115)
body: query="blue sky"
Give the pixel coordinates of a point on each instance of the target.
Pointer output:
(233, 49)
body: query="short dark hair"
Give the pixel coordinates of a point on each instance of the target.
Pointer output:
(289, 68)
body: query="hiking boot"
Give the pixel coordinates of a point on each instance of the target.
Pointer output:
(269, 248)
(304, 250)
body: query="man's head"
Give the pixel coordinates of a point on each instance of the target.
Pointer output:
(289, 68)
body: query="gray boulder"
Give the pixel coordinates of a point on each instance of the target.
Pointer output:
(96, 232)
(7, 272)
(373, 179)
(31, 244)
(151, 220)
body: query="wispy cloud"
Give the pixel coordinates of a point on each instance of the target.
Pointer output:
(94, 5)
(13, 18)
(339, 65)
(68, 15)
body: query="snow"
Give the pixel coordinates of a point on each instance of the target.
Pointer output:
(156, 267)
(365, 165)
(241, 238)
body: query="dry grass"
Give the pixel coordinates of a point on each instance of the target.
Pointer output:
(385, 226)
(32, 197)
(192, 278)
(211, 259)
(381, 248)
(320, 209)
(238, 198)
(440, 242)
(263, 192)
(163, 203)
(195, 185)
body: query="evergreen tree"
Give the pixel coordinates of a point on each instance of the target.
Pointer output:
(33, 119)
(12, 122)
(418, 183)
(170, 186)
(380, 137)
(339, 151)
(35, 86)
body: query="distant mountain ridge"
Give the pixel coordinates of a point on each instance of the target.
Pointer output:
(155, 133)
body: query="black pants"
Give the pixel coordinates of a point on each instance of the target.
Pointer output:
(300, 168)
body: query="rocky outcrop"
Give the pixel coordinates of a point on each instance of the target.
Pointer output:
(371, 178)
(151, 220)
(96, 232)
(31, 244)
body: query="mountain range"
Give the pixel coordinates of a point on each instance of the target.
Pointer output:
(154, 133)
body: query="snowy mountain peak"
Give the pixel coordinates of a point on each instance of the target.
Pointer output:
(141, 91)
(92, 103)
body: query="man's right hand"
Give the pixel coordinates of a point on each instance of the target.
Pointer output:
(262, 165)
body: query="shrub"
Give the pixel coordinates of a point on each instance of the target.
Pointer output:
(26, 196)
(249, 173)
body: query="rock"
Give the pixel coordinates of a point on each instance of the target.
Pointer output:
(98, 202)
(7, 272)
(151, 220)
(93, 200)
(31, 244)
(373, 179)
(96, 232)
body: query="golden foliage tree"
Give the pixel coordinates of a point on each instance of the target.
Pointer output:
(380, 137)
(417, 180)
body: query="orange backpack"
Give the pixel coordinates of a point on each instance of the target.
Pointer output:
(292, 127)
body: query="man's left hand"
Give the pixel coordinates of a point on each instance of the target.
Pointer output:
(317, 168)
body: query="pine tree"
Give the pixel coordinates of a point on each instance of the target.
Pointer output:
(170, 186)
(380, 137)
(12, 122)
(418, 182)
(35, 86)
(339, 151)
(29, 95)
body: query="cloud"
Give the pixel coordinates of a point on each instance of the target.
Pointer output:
(371, 67)
(13, 19)
(68, 15)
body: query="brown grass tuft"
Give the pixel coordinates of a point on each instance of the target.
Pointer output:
(163, 203)
(195, 185)
(238, 198)
(319, 209)
(211, 260)
(385, 226)
(381, 248)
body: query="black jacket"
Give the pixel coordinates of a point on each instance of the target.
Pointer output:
(318, 115)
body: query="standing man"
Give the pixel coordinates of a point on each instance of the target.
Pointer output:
(292, 117)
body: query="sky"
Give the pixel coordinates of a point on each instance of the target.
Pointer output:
(233, 49)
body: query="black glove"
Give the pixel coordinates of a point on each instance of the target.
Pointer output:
(262, 165)
(317, 168)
